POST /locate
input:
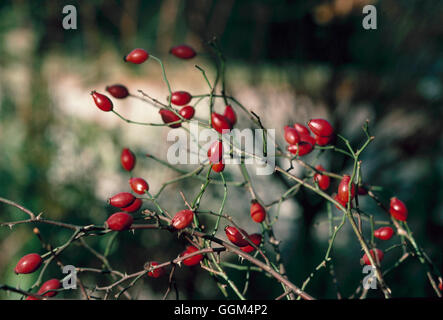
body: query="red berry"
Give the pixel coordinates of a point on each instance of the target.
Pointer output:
(102, 101)
(321, 127)
(322, 141)
(256, 239)
(180, 98)
(137, 56)
(168, 116)
(28, 263)
(301, 129)
(398, 209)
(305, 145)
(118, 91)
(322, 180)
(121, 199)
(291, 135)
(127, 159)
(187, 112)
(440, 286)
(183, 51)
(191, 261)
(384, 233)
(236, 237)
(119, 221)
(344, 204)
(343, 189)
(218, 167)
(182, 219)
(156, 273)
(230, 115)
(258, 213)
(52, 284)
(133, 206)
(379, 254)
(139, 185)
(220, 123)
(215, 152)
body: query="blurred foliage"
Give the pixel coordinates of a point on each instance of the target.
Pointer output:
(396, 70)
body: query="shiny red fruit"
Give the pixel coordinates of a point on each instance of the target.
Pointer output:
(121, 199)
(301, 129)
(291, 135)
(230, 115)
(256, 239)
(187, 112)
(156, 273)
(102, 101)
(379, 254)
(118, 91)
(220, 123)
(119, 221)
(440, 286)
(191, 261)
(258, 213)
(28, 263)
(321, 127)
(398, 209)
(182, 219)
(322, 180)
(52, 284)
(218, 167)
(344, 204)
(236, 237)
(136, 56)
(322, 141)
(133, 206)
(180, 98)
(139, 185)
(305, 146)
(183, 51)
(384, 233)
(215, 152)
(343, 189)
(127, 159)
(168, 116)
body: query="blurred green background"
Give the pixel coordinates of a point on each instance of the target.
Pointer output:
(287, 60)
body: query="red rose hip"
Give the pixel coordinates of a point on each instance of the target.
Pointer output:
(220, 123)
(52, 284)
(379, 256)
(256, 239)
(139, 185)
(183, 51)
(134, 206)
(119, 221)
(157, 272)
(236, 237)
(127, 159)
(28, 264)
(187, 112)
(343, 189)
(191, 261)
(136, 56)
(301, 129)
(118, 91)
(168, 116)
(291, 135)
(230, 115)
(215, 152)
(102, 101)
(321, 127)
(322, 180)
(121, 199)
(180, 98)
(258, 213)
(218, 167)
(384, 233)
(398, 209)
(182, 219)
